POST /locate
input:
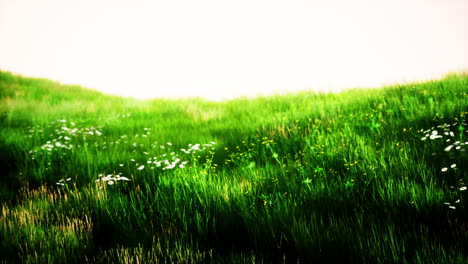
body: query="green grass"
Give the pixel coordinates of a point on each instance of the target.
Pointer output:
(355, 177)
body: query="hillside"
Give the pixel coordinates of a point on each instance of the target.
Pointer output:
(363, 176)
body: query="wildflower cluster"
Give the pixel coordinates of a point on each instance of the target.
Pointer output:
(454, 147)
(63, 182)
(243, 154)
(60, 137)
(111, 179)
(164, 161)
(64, 134)
(173, 159)
(197, 147)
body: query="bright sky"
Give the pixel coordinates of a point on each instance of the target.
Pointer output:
(221, 49)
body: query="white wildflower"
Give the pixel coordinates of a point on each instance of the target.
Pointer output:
(186, 151)
(196, 147)
(124, 179)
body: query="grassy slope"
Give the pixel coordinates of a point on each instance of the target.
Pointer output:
(298, 177)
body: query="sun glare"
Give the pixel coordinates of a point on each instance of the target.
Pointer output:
(220, 50)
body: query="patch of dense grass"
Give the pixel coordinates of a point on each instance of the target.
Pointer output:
(364, 176)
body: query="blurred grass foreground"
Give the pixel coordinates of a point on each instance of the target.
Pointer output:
(363, 176)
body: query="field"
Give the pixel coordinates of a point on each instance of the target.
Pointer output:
(363, 176)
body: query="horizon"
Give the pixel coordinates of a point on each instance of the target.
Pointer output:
(222, 51)
(246, 96)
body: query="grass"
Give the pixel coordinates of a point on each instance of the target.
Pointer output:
(364, 176)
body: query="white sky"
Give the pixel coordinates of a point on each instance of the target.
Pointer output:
(220, 49)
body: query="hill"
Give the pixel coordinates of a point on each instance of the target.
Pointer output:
(363, 176)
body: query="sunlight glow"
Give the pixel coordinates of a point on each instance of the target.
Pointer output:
(220, 49)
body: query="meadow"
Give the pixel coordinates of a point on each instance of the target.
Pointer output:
(363, 176)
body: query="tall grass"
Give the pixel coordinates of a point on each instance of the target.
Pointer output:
(355, 177)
